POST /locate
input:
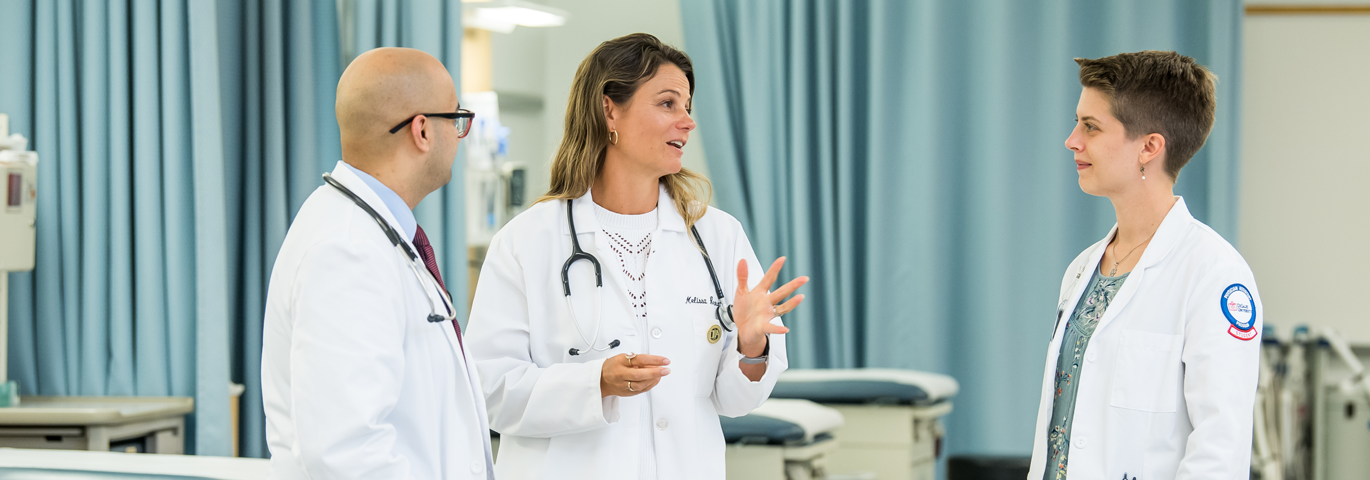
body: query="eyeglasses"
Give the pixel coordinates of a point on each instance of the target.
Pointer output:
(462, 116)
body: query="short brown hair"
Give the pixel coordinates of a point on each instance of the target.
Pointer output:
(1157, 92)
(616, 69)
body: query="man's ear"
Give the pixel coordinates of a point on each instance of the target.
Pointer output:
(418, 132)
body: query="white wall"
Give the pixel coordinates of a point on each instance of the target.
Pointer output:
(1305, 192)
(541, 62)
(517, 75)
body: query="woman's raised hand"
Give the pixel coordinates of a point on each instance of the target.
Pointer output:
(753, 309)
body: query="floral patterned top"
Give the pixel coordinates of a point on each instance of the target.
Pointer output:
(1079, 329)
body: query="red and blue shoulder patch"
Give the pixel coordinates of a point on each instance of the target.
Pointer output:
(1240, 309)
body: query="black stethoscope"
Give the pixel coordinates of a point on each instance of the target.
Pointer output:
(408, 254)
(723, 313)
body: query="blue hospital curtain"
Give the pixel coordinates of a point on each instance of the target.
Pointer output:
(909, 156)
(281, 61)
(129, 295)
(177, 140)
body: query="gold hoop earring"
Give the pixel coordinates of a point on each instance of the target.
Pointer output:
(613, 137)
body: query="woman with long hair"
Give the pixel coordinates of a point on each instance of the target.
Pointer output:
(606, 327)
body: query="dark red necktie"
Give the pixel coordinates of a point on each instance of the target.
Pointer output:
(431, 261)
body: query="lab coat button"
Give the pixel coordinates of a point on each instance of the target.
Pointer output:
(656, 332)
(1079, 442)
(1092, 355)
(477, 467)
(661, 424)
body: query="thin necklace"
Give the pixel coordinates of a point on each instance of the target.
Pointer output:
(1114, 271)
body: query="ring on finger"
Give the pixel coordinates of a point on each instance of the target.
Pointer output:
(630, 356)
(630, 386)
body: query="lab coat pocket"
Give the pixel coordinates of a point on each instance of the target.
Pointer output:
(707, 340)
(1147, 372)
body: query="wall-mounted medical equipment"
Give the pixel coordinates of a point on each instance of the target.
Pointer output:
(494, 185)
(18, 197)
(1341, 416)
(1312, 413)
(496, 188)
(18, 192)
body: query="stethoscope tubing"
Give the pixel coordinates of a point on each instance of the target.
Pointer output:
(578, 254)
(426, 282)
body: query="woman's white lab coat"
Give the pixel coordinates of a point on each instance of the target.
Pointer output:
(355, 381)
(1169, 379)
(546, 403)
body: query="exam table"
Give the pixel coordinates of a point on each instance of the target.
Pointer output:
(783, 439)
(892, 429)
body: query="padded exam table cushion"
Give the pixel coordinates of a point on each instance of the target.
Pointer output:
(866, 385)
(782, 422)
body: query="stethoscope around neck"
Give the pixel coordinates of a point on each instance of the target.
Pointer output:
(723, 312)
(427, 281)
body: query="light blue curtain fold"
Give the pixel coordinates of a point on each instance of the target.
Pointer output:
(211, 241)
(177, 140)
(281, 62)
(128, 296)
(908, 155)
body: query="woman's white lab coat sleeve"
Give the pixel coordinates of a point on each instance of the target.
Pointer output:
(1220, 376)
(344, 335)
(522, 398)
(734, 394)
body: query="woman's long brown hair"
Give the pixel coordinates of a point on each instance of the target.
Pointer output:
(616, 69)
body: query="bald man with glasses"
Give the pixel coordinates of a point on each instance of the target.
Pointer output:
(364, 374)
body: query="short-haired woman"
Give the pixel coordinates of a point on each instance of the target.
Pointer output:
(1151, 370)
(624, 381)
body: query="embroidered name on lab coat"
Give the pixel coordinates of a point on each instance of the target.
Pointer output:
(701, 301)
